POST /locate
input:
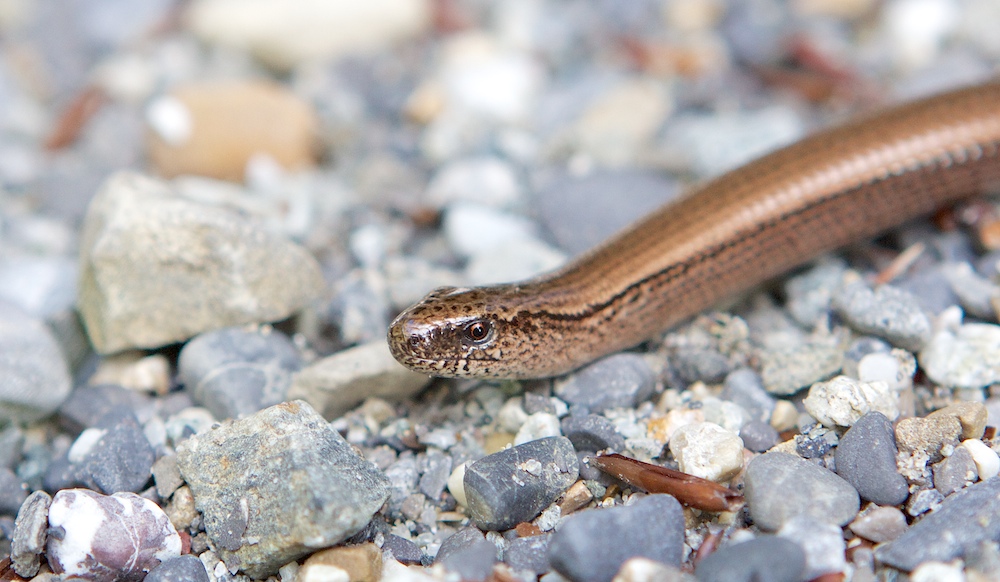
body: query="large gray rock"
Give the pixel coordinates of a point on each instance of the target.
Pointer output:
(34, 377)
(251, 476)
(157, 268)
(779, 486)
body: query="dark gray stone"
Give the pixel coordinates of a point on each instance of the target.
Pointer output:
(435, 469)
(185, 568)
(960, 524)
(779, 486)
(30, 534)
(122, 459)
(744, 387)
(403, 550)
(234, 372)
(758, 436)
(592, 545)
(886, 312)
(529, 554)
(284, 460)
(12, 492)
(763, 558)
(86, 405)
(538, 403)
(955, 472)
(468, 553)
(697, 364)
(403, 475)
(592, 433)
(930, 287)
(618, 381)
(516, 484)
(866, 458)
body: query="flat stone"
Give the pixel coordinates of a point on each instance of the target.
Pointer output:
(618, 381)
(708, 451)
(960, 524)
(87, 405)
(402, 549)
(30, 534)
(879, 524)
(338, 383)
(968, 357)
(765, 557)
(157, 268)
(841, 401)
(248, 475)
(928, 435)
(516, 484)
(592, 433)
(779, 486)
(592, 545)
(187, 568)
(887, 312)
(866, 458)
(34, 372)
(467, 553)
(529, 554)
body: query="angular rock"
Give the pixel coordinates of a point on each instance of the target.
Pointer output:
(338, 383)
(765, 557)
(928, 435)
(105, 538)
(403, 550)
(592, 545)
(779, 486)
(157, 268)
(116, 457)
(841, 401)
(787, 369)
(468, 554)
(516, 484)
(529, 554)
(618, 381)
(592, 433)
(249, 475)
(866, 458)
(187, 568)
(971, 415)
(34, 375)
(708, 451)
(30, 534)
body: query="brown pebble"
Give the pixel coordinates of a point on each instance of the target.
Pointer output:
(363, 563)
(575, 497)
(928, 435)
(527, 530)
(971, 415)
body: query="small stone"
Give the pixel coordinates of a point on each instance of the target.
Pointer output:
(473, 229)
(779, 486)
(621, 122)
(708, 451)
(167, 476)
(106, 538)
(592, 433)
(976, 294)
(117, 457)
(402, 549)
(971, 415)
(435, 467)
(822, 542)
(866, 458)
(537, 426)
(956, 472)
(181, 509)
(939, 572)
(135, 371)
(744, 387)
(529, 554)
(338, 383)
(235, 372)
(12, 492)
(786, 369)
(35, 374)
(516, 484)
(759, 436)
(592, 545)
(700, 364)
(986, 459)
(157, 268)
(645, 570)
(785, 416)
(922, 501)
(484, 180)
(361, 563)
(887, 312)
(87, 405)
(842, 401)
(928, 435)
(249, 474)
(959, 525)
(809, 294)
(618, 381)
(968, 357)
(30, 534)
(187, 568)
(468, 553)
(764, 557)
(879, 524)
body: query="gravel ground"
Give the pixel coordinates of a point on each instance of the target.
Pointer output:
(210, 211)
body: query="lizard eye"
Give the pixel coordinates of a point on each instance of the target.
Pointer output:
(478, 332)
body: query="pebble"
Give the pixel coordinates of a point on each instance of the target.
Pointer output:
(516, 484)
(822, 542)
(699, 364)
(939, 572)
(36, 375)
(538, 425)
(961, 523)
(468, 553)
(402, 550)
(809, 294)
(645, 570)
(335, 384)
(620, 123)
(592, 433)
(591, 546)
(743, 386)
(788, 368)
(435, 468)
(87, 405)
(487, 180)
(135, 371)
(222, 269)
(764, 557)
(922, 501)
(474, 229)
(841, 401)
(976, 294)
(285, 460)
(186, 568)
(618, 381)
(360, 563)
(106, 538)
(530, 554)
(284, 34)
(879, 524)
(968, 357)
(235, 372)
(986, 459)
(12, 492)
(114, 455)
(708, 451)
(886, 312)
(759, 436)
(955, 472)
(41, 286)
(30, 534)
(166, 475)
(866, 458)
(971, 415)
(928, 435)
(779, 486)
(515, 260)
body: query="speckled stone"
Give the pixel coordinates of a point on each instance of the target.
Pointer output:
(841, 401)
(30, 534)
(786, 369)
(964, 358)
(928, 435)
(187, 568)
(468, 554)
(971, 415)
(779, 486)
(955, 472)
(887, 312)
(529, 554)
(618, 381)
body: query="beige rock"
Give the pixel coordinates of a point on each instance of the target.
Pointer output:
(361, 563)
(928, 435)
(971, 415)
(216, 129)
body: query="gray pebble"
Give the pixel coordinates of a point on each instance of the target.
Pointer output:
(12, 492)
(467, 553)
(403, 550)
(698, 364)
(592, 433)
(358, 310)
(592, 545)
(963, 521)
(808, 295)
(866, 458)
(758, 436)
(618, 381)
(779, 486)
(86, 405)
(744, 387)
(879, 524)
(955, 472)
(30, 534)
(35, 373)
(765, 557)
(931, 288)
(187, 568)
(435, 468)
(886, 312)
(822, 542)
(284, 460)
(122, 459)
(516, 484)
(11, 441)
(403, 476)
(976, 294)
(234, 372)
(538, 403)
(167, 476)
(922, 501)
(529, 554)
(788, 368)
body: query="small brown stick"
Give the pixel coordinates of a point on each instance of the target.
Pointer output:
(75, 118)
(690, 490)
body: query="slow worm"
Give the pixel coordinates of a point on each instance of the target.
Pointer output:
(724, 237)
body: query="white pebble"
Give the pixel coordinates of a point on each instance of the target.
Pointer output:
(485, 180)
(986, 460)
(538, 426)
(472, 229)
(842, 401)
(512, 415)
(968, 357)
(456, 485)
(939, 572)
(708, 451)
(878, 367)
(170, 119)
